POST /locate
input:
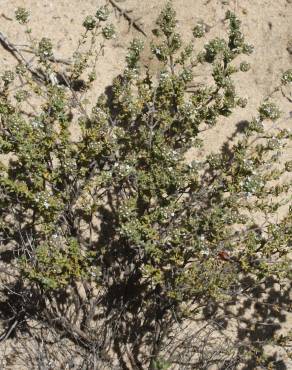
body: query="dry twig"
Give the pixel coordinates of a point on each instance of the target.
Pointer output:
(9, 46)
(7, 332)
(53, 58)
(125, 13)
(16, 52)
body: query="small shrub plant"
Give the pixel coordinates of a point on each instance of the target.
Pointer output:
(117, 207)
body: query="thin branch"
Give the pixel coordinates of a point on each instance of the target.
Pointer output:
(125, 14)
(9, 46)
(6, 17)
(7, 332)
(286, 96)
(53, 59)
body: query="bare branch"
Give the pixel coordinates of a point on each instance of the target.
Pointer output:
(125, 14)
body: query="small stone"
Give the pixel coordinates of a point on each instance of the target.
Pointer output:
(289, 46)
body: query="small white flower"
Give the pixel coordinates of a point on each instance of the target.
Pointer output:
(46, 204)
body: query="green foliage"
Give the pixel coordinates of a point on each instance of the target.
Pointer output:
(89, 23)
(57, 267)
(22, 15)
(45, 48)
(287, 77)
(199, 30)
(170, 221)
(161, 365)
(102, 13)
(269, 110)
(108, 31)
(7, 77)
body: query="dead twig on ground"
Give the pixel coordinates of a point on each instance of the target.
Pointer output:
(6, 17)
(125, 14)
(7, 332)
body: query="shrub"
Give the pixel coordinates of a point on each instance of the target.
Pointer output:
(118, 207)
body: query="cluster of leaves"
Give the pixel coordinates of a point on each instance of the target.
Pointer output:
(119, 205)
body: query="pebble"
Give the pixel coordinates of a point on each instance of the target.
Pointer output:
(289, 46)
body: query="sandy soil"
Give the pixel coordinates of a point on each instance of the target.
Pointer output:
(267, 25)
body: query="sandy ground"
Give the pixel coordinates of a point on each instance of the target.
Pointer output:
(267, 25)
